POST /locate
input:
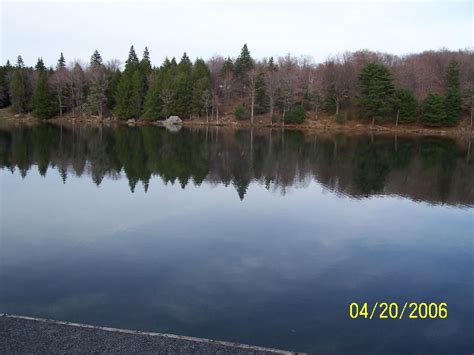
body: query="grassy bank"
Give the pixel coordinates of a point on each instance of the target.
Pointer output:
(321, 123)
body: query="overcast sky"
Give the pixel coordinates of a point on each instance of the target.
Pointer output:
(205, 28)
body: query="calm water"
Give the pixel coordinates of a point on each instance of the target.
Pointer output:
(247, 236)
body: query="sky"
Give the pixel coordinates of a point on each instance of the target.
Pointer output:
(205, 28)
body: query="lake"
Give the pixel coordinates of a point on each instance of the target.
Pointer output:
(254, 236)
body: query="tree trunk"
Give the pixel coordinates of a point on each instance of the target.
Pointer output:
(373, 121)
(271, 106)
(398, 115)
(337, 106)
(217, 114)
(252, 105)
(468, 155)
(271, 109)
(60, 106)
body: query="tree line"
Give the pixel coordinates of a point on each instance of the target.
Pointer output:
(434, 87)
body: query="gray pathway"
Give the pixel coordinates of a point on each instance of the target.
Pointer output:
(26, 335)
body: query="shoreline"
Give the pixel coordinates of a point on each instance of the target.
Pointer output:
(462, 130)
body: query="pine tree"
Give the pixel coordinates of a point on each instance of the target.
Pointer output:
(96, 59)
(40, 65)
(261, 97)
(18, 89)
(98, 83)
(141, 84)
(243, 63)
(138, 93)
(434, 113)
(145, 63)
(19, 62)
(453, 96)
(168, 93)
(127, 105)
(377, 91)
(4, 85)
(112, 88)
(153, 106)
(201, 79)
(44, 100)
(184, 86)
(405, 106)
(132, 60)
(61, 62)
(228, 66)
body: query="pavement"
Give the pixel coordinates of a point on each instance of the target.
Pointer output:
(27, 335)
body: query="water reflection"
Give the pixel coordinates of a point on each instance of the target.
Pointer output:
(431, 169)
(276, 267)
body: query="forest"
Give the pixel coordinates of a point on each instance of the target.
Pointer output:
(434, 88)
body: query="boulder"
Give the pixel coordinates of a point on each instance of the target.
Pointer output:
(173, 120)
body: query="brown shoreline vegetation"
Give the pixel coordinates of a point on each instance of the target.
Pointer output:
(324, 123)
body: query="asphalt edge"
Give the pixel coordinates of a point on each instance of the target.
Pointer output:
(165, 335)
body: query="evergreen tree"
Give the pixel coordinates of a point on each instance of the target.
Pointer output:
(145, 63)
(201, 79)
(138, 93)
(261, 97)
(40, 65)
(453, 96)
(44, 100)
(112, 88)
(168, 93)
(243, 63)
(127, 105)
(227, 66)
(141, 85)
(96, 59)
(4, 85)
(153, 106)
(98, 83)
(18, 89)
(377, 91)
(405, 106)
(434, 113)
(132, 59)
(19, 62)
(184, 86)
(61, 62)
(329, 104)
(452, 75)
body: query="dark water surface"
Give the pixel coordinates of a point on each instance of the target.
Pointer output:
(250, 236)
